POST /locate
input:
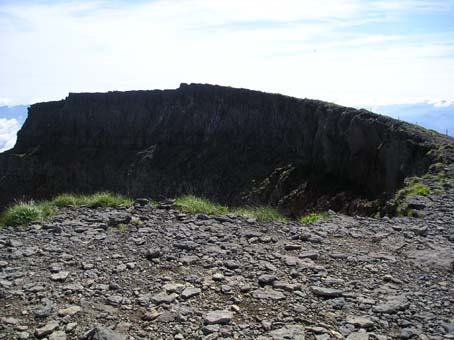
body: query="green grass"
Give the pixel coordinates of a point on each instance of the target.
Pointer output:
(194, 205)
(65, 199)
(23, 213)
(421, 189)
(312, 218)
(122, 227)
(99, 199)
(413, 187)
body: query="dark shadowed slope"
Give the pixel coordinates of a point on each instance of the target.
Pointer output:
(224, 143)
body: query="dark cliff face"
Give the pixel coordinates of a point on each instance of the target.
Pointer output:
(224, 143)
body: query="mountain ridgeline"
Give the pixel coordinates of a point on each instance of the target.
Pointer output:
(235, 146)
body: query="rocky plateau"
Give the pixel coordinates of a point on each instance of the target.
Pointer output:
(147, 273)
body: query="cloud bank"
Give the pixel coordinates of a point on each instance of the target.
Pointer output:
(8, 131)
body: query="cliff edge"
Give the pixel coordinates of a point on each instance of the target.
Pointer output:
(233, 145)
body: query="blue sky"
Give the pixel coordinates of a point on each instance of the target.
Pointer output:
(352, 52)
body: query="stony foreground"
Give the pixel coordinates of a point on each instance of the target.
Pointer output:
(144, 273)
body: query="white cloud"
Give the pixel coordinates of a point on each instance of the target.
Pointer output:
(442, 103)
(5, 101)
(303, 48)
(8, 131)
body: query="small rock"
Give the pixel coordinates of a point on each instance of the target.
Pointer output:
(153, 253)
(69, 311)
(270, 294)
(218, 317)
(58, 335)
(190, 292)
(361, 335)
(359, 321)
(266, 279)
(326, 292)
(393, 304)
(163, 298)
(101, 333)
(60, 276)
(46, 330)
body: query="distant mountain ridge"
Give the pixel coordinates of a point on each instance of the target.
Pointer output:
(438, 116)
(236, 146)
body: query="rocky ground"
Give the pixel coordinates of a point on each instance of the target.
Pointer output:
(146, 273)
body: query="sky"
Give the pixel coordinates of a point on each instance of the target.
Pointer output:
(359, 53)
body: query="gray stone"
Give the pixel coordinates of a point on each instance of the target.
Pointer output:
(46, 330)
(60, 276)
(393, 304)
(326, 292)
(190, 292)
(153, 253)
(266, 279)
(101, 333)
(45, 311)
(69, 311)
(268, 294)
(221, 317)
(288, 332)
(361, 335)
(58, 335)
(359, 321)
(163, 298)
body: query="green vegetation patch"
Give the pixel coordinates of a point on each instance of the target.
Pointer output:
(22, 213)
(194, 205)
(99, 199)
(413, 187)
(312, 218)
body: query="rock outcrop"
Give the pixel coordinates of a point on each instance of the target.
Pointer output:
(232, 145)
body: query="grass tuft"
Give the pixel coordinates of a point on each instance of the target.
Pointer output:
(22, 213)
(413, 187)
(312, 218)
(64, 200)
(99, 199)
(107, 199)
(194, 205)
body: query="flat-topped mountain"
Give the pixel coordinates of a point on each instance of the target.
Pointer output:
(232, 145)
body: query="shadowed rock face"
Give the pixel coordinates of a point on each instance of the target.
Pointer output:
(224, 143)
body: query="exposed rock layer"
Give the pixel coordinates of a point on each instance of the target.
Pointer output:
(213, 141)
